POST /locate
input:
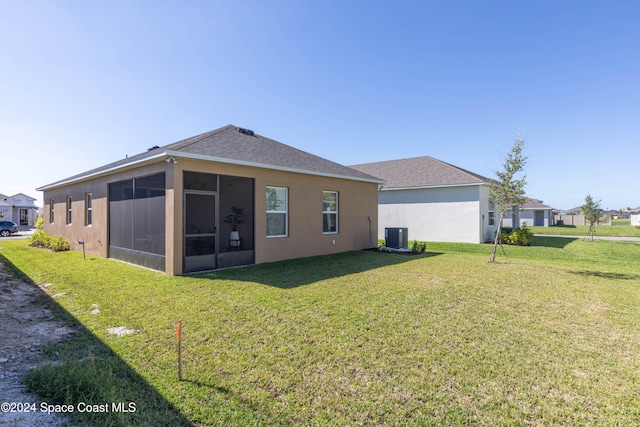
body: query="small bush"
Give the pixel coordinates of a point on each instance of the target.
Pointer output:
(40, 223)
(40, 239)
(520, 237)
(58, 244)
(418, 247)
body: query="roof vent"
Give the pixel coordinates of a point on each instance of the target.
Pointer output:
(153, 148)
(246, 131)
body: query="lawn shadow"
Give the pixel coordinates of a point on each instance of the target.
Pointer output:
(81, 369)
(298, 272)
(552, 242)
(606, 275)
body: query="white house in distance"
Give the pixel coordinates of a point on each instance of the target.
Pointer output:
(436, 201)
(532, 213)
(18, 208)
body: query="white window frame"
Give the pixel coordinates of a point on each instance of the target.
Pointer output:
(69, 209)
(278, 210)
(330, 212)
(492, 214)
(51, 211)
(88, 209)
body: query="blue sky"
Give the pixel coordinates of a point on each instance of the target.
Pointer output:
(86, 83)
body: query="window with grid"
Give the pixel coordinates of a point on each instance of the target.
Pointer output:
(277, 212)
(51, 209)
(88, 206)
(69, 202)
(492, 214)
(329, 212)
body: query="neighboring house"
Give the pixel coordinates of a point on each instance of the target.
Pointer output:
(435, 200)
(18, 208)
(574, 211)
(165, 208)
(532, 213)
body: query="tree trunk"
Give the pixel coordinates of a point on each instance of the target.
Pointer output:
(497, 239)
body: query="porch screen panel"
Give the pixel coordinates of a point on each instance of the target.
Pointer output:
(121, 209)
(149, 217)
(137, 220)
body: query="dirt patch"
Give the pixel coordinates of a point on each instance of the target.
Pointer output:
(27, 326)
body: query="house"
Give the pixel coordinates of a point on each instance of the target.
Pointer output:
(18, 208)
(165, 208)
(532, 213)
(435, 200)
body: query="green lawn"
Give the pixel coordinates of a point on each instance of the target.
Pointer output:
(550, 335)
(583, 230)
(621, 222)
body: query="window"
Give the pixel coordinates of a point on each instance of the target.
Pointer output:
(277, 212)
(329, 212)
(492, 214)
(51, 216)
(88, 209)
(69, 201)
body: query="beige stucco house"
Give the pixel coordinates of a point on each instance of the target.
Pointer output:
(166, 208)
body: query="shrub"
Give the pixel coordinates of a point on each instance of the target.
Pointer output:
(40, 239)
(418, 247)
(40, 223)
(520, 237)
(57, 244)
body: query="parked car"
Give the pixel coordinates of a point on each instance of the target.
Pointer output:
(8, 227)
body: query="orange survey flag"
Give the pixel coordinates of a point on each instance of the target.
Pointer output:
(179, 331)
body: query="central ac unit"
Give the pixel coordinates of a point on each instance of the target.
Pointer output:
(396, 237)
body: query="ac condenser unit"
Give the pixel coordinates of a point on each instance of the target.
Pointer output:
(396, 238)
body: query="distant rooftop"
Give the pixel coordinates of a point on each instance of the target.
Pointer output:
(419, 172)
(534, 204)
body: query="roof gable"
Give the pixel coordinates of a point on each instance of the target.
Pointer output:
(424, 171)
(22, 195)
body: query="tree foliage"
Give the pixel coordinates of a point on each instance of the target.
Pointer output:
(507, 191)
(592, 213)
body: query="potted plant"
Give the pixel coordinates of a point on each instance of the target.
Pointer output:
(234, 218)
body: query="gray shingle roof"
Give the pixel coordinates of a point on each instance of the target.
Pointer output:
(534, 204)
(229, 144)
(423, 171)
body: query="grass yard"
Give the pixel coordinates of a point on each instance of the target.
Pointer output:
(619, 222)
(550, 335)
(583, 230)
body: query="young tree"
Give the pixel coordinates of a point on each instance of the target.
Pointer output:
(592, 213)
(507, 191)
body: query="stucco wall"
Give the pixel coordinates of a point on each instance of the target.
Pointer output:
(451, 214)
(95, 236)
(357, 203)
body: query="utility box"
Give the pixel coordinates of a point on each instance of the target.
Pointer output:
(396, 237)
